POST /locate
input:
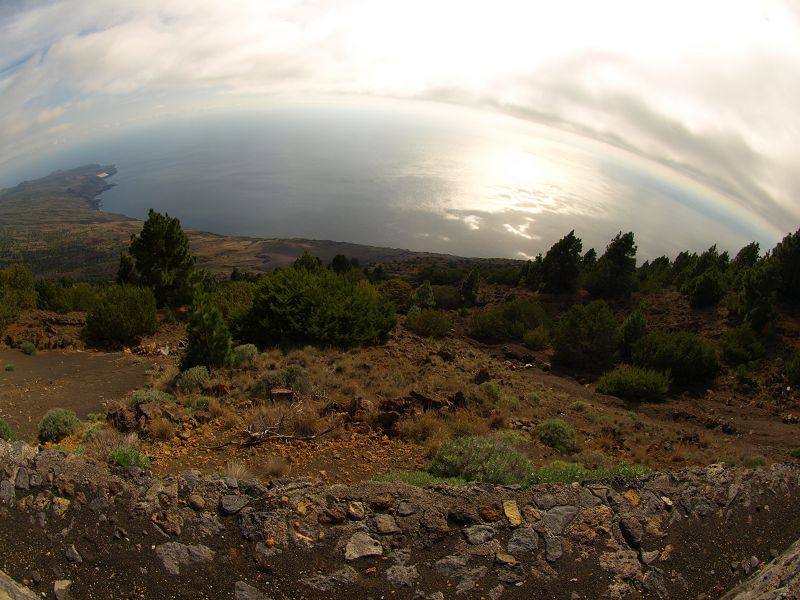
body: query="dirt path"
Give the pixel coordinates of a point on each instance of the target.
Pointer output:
(80, 381)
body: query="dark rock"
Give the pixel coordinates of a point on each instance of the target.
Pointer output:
(479, 534)
(556, 519)
(174, 555)
(326, 583)
(405, 509)
(631, 530)
(231, 504)
(72, 555)
(462, 517)
(523, 541)
(451, 566)
(245, 591)
(400, 575)
(553, 549)
(22, 481)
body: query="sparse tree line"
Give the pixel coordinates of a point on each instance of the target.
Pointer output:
(344, 303)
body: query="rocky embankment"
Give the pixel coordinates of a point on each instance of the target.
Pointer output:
(72, 529)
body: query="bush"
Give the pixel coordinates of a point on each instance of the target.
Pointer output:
(17, 293)
(245, 354)
(209, 337)
(399, 292)
(480, 459)
(586, 336)
(787, 258)
(428, 322)
(741, 345)
(632, 330)
(684, 355)
(233, 299)
(28, 348)
(446, 296)
(57, 424)
(293, 377)
(794, 452)
(297, 306)
(537, 338)
(758, 286)
(121, 314)
(557, 434)
(564, 472)
(561, 265)
(10, 368)
(126, 456)
(469, 287)
(192, 379)
(705, 290)
(635, 383)
(6, 433)
(793, 370)
(613, 274)
(508, 321)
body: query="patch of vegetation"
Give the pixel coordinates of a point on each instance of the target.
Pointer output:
(198, 402)
(586, 336)
(446, 296)
(508, 321)
(537, 338)
(513, 437)
(17, 293)
(741, 345)
(705, 290)
(480, 459)
(127, 456)
(561, 265)
(209, 337)
(398, 292)
(144, 396)
(794, 452)
(565, 472)
(293, 377)
(122, 314)
(787, 259)
(418, 478)
(10, 368)
(57, 424)
(684, 355)
(632, 330)
(635, 383)
(747, 461)
(6, 433)
(557, 434)
(793, 370)
(428, 322)
(63, 296)
(298, 306)
(469, 287)
(246, 354)
(28, 348)
(195, 378)
(612, 275)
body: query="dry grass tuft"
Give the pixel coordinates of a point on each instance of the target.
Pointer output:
(105, 439)
(161, 428)
(274, 465)
(237, 470)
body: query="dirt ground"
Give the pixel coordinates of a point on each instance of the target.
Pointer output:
(79, 381)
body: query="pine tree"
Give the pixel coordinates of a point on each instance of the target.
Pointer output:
(209, 337)
(469, 288)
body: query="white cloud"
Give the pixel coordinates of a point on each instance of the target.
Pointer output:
(707, 88)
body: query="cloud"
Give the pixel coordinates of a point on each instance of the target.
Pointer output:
(708, 89)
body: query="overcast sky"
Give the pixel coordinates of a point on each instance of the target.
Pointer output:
(708, 88)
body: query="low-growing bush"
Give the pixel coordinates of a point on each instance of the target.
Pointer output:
(192, 379)
(635, 383)
(28, 348)
(209, 337)
(57, 424)
(428, 322)
(705, 290)
(537, 338)
(246, 354)
(564, 472)
(6, 433)
(586, 336)
(10, 368)
(419, 428)
(793, 370)
(794, 452)
(122, 314)
(632, 330)
(741, 345)
(480, 459)
(446, 296)
(127, 456)
(557, 434)
(144, 396)
(684, 355)
(198, 402)
(293, 377)
(508, 321)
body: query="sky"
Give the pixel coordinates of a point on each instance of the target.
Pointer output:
(707, 88)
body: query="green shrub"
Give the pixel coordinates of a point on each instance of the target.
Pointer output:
(537, 338)
(6, 433)
(209, 337)
(561, 265)
(508, 321)
(65, 297)
(144, 396)
(446, 296)
(635, 383)
(293, 377)
(741, 345)
(399, 292)
(564, 472)
(684, 355)
(418, 478)
(480, 459)
(632, 330)
(586, 336)
(57, 424)
(794, 452)
(122, 314)
(198, 403)
(787, 258)
(296, 306)
(428, 322)
(126, 456)
(613, 274)
(557, 434)
(469, 287)
(793, 370)
(245, 354)
(233, 299)
(513, 437)
(423, 296)
(757, 288)
(17, 293)
(492, 389)
(191, 379)
(705, 290)
(28, 348)
(10, 368)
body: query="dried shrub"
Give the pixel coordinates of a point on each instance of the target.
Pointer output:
(161, 428)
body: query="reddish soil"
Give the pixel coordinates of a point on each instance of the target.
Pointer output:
(79, 381)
